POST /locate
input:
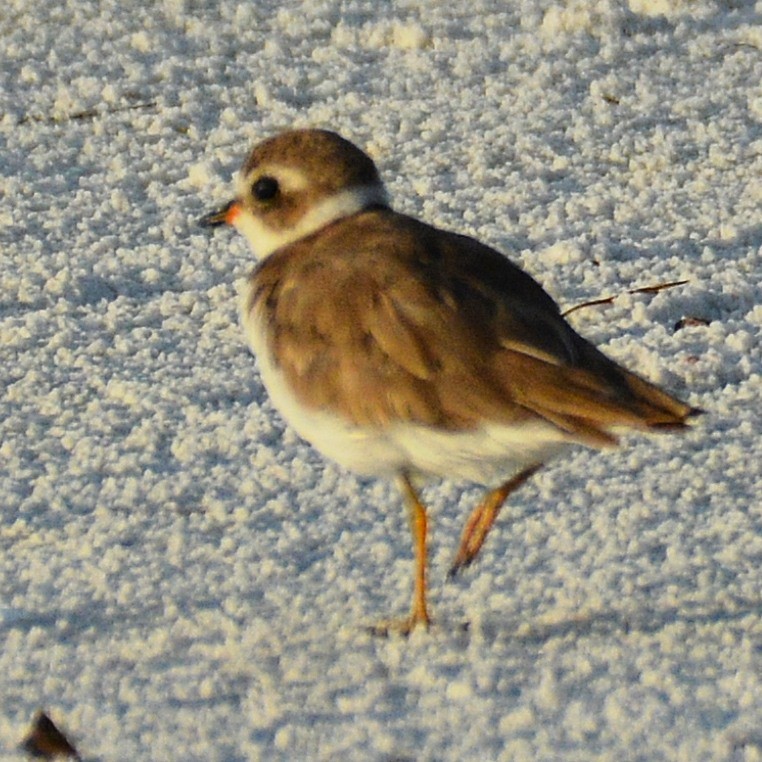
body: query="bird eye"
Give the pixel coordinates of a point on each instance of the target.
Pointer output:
(265, 189)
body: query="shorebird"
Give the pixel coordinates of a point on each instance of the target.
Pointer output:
(401, 350)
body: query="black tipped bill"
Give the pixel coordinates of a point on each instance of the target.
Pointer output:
(220, 217)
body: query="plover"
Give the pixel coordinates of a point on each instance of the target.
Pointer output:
(401, 350)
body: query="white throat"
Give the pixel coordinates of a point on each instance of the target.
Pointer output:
(264, 240)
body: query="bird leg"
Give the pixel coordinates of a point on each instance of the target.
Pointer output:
(419, 523)
(482, 518)
(419, 527)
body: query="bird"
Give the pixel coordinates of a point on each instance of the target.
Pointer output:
(400, 350)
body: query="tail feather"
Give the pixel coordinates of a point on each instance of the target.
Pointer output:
(594, 399)
(661, 409)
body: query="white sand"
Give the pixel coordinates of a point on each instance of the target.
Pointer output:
(181, 578)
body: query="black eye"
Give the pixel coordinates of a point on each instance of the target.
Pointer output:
(265, 189)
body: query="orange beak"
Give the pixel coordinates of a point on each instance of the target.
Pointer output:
(225, 216)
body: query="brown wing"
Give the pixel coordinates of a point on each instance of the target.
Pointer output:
(385, 319)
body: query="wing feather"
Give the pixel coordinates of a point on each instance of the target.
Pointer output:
(386, 320)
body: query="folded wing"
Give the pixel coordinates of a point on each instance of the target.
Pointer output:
(422, 326)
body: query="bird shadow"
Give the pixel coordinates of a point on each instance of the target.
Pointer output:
(644, 620)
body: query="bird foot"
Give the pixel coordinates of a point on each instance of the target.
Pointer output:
(403, 627)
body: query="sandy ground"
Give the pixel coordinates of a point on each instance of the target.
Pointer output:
(181, 578)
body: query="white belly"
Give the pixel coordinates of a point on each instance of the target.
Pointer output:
(487, 455)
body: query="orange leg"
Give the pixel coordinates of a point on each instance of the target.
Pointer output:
(419, 524)
(419, 527)
(482, 518)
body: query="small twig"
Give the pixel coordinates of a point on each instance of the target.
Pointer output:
(654, 289)
(86, 113)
